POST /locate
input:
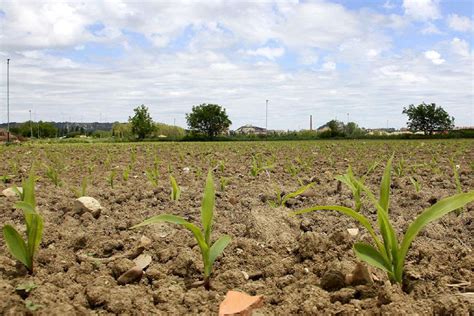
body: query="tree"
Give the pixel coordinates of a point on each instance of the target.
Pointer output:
(209, 119)
(142, 123)
(428, 118)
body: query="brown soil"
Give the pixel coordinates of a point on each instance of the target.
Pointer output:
(272, 254)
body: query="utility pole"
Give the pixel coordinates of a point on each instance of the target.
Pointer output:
(8, 100)
(31, 126)
(347, 118)
(310, 122)
(266, 116)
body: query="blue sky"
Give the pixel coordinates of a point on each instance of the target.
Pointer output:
(100, 59)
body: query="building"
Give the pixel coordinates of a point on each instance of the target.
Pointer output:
(251, 130)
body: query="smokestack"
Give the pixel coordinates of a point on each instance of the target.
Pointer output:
(310, 122)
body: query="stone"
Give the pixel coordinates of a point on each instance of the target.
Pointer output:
(142, 261)
(88, 204)
(359, 276)
(131, 276)
(333, 280)
(353, 231)
(239, 304)
(9, 192)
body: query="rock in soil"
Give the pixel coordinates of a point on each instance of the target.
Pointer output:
(132, 275)
(9, 192)
(333, 280)
(87, 204)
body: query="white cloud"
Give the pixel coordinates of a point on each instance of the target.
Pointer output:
(430, 28)
(329, 66)
(460, 47)
(422, 9)
(268, 52)
(434, 56)
(459, 23)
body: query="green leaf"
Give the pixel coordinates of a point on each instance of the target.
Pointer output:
(433, 213)
(370, 255)
(34, 230)
(349, 212)
(16, 245)
(218, 247)
(207, 207)
(173, 219)
(390, 245)
(385, 186)
(26, 207)
(175, 191)
(29, 190)
(291, 195)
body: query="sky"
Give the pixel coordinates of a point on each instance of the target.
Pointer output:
(356, 60)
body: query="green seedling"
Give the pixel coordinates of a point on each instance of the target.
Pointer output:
(349, 179)
(20, 249)
(90, 169)
(209, 251)
(281, 200)
(221, 166)
(32, 306)
(154, 173)
(416, 184)
(399, 168)
(82, 191)
(223, 182)
(175, 190)
(26, 287)
(111, 178)
(126, 172)
(258, 166)
(53, 174)
(457, 181)
(5, 178)
(388, 254)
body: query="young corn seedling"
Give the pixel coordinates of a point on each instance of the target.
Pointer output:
(111, 178)
(258, 166)
(175, 190)
(349, 180)
(221, 166)
(24, 250)
(388, 254)
(83, 189)
(53, 174)
(209, 251)
(399, 168)
(281, 200)
(126, 172)
(457, 181)
(154, 173)
(416, 184)
(223, 182)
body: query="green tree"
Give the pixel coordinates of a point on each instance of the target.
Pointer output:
(142, 123)
(209, 119)
(351, 129)
(428, 118)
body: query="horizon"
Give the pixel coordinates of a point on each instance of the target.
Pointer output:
(95, 61)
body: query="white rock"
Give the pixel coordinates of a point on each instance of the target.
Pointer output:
(246, 275)
(87, 204)
(142, 261)
(353, 231)
(145, 241)
(186, 169)
(11, 193)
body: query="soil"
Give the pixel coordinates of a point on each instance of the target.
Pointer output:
(282, 257)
